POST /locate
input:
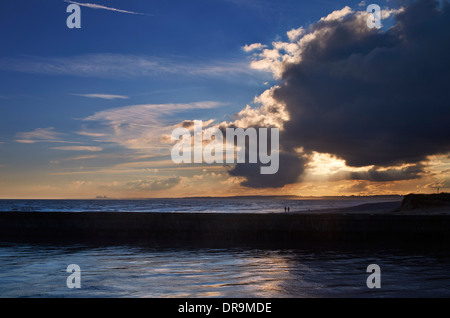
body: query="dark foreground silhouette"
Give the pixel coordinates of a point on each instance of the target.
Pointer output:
(378, 222)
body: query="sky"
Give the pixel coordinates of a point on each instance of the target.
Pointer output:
(86, 112)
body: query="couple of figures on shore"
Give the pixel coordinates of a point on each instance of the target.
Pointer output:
(287, 209)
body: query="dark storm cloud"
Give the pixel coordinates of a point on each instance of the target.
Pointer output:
(291, 166)
(382, 175)
(370, 97)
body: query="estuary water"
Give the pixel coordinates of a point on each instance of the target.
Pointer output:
(147, 271)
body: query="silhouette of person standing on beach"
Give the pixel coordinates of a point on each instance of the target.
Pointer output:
(285, 208)
(289, 209)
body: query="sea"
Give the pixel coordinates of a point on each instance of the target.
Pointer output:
(138, 270)
(257, 204)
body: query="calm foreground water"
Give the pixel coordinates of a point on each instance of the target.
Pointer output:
(144, 270)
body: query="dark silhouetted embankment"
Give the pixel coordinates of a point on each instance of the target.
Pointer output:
(425, 201)
(224, 228)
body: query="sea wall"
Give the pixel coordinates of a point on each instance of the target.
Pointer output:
(226, 228)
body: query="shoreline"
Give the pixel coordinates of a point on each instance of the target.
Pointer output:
(370, 223)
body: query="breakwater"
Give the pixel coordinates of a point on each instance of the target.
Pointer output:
(224, 228)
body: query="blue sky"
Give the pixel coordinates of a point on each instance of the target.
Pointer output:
(58, 85)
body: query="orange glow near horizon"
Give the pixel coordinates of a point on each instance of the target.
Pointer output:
(162, 179)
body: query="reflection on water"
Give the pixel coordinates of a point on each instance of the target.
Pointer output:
(133, 271)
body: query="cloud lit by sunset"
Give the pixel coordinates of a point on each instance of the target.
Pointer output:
(88, 112)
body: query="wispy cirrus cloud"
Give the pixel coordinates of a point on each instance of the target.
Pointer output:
(38, 135)
(86, 157)
(107, 65)
(98, 6)
(103, 96)
(90, 134)
(42, 135)
(78, 148)
(140, 127)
